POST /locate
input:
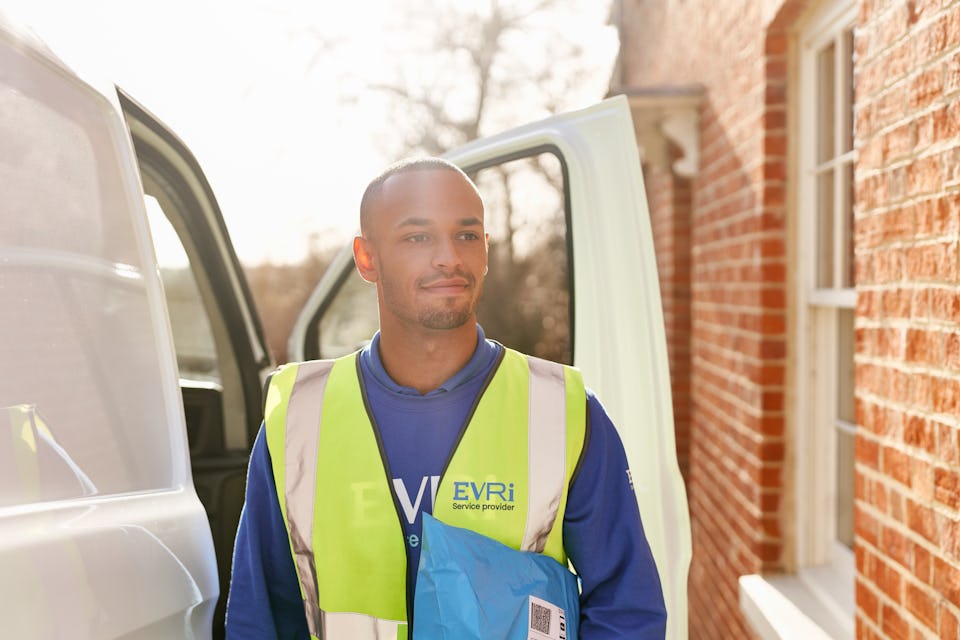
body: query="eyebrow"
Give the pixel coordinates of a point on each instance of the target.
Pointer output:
(414, 221)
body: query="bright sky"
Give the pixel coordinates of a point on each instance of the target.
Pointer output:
(271, 97)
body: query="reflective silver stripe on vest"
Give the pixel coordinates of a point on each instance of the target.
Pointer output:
(546, 450)
(358, 625)
(300, 476)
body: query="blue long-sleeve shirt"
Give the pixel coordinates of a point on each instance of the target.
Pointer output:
(621, 595)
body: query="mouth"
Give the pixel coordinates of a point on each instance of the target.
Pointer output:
(446, 286)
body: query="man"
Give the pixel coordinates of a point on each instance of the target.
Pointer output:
(430, 417)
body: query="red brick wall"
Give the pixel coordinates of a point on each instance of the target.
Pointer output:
(908, 344)
(738, 296)
(907, 236)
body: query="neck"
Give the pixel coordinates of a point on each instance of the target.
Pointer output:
(425, 358)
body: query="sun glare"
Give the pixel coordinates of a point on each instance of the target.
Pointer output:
(275, 99)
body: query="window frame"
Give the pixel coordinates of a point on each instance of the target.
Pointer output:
(824, 565)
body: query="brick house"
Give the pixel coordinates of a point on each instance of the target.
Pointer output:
(802, 163)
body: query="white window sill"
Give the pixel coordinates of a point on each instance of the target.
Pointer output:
(784, 607)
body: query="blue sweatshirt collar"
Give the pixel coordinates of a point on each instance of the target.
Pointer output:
(480, 362)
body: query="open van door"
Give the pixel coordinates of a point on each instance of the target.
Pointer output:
(221, 353)
(573, 278)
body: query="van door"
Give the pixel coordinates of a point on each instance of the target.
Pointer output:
(101, 531)
(222, 359)
(573, 278)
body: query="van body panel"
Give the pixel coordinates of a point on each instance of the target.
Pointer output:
(101, 532)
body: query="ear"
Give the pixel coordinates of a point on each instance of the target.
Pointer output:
(363, 258)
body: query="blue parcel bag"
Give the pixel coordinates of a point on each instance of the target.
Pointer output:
(470, 586)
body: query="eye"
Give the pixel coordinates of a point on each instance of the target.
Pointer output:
(469, 235)
(416, 238)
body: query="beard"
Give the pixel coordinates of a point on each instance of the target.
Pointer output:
(451, 318)
(444, 314)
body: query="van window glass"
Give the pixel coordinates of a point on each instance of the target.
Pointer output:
(527, 293)
(351, 318)
(85, 403)
(192, 336)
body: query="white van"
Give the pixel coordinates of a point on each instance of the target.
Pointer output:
(131, 388)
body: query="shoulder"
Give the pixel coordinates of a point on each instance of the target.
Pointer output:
(287, 373)
(594, 403)
(597, 413)
(542, 365)
(309, 375)
(602, 435)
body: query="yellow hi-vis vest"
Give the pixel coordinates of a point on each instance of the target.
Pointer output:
(507, 478)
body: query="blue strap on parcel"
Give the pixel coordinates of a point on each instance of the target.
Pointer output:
(471, 586)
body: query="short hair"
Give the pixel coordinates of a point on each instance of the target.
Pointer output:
(406, 165)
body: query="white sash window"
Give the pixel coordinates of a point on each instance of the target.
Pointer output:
(824, 411)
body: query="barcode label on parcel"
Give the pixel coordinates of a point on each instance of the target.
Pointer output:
(547, 621)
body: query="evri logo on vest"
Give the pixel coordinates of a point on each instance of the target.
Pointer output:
(483, 496)
(489, 496)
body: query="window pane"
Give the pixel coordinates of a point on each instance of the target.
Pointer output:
(826, 87)
(351, 319)
(845, 347)
(825, 247)
(526, 297)
(845, 426)
(192, 336)
(845, 488)
(846, 246)
(847, 106)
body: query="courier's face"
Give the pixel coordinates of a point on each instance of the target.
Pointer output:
(426, 249)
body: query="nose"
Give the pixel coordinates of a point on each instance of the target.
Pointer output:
(446, 255)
